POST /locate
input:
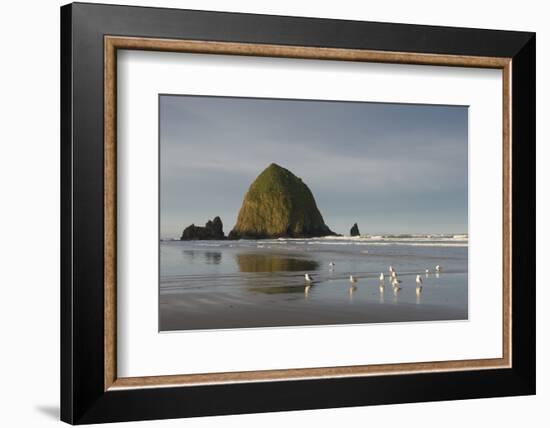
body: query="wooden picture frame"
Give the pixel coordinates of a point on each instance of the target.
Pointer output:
(91, 390)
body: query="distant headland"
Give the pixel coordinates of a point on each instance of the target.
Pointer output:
(278, 204)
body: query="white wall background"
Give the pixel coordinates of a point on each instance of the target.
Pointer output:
(29, 214)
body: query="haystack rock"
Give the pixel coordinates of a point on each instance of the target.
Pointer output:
(354, 231)
(279, 204)
(213, 229)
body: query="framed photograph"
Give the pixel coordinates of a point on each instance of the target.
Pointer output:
(265, 213)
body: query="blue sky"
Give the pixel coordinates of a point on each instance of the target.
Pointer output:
(392, 168)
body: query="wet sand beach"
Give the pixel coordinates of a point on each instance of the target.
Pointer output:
(248, 284)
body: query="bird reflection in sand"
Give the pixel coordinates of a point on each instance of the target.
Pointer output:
(308, 280)
(396, 291)
(306, 291)
(418, 288)
(418, 285)
(353, 287)
(351, 292)
(381, 295)
(382, 286)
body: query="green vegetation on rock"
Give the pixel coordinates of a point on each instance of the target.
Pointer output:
(279, 204)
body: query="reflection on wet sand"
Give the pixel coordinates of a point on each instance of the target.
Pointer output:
(189, 255)
(210, 257)
(213, 257)
(278, 289)
(254, 262)
(351, 292)
(266, 263)
(236, 284)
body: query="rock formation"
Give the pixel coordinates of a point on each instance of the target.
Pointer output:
(212, 230)
(279, 204)
(354, 231)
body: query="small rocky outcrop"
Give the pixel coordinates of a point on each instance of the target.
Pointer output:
(279, 204)
(213, 229)
(354, 231)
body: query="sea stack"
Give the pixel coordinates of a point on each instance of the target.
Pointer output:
(354, 231)
(213, 229)
(279, 204)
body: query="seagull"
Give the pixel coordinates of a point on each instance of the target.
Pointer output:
(418, 280)
(391, 269)
(395, 282)
(381, 277)
(308, 278)
(438, 268)
(331, 265)
(352, 279)
(393, 274)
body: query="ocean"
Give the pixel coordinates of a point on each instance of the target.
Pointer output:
(260, 283)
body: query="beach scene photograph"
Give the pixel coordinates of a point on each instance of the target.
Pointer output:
(287, 213)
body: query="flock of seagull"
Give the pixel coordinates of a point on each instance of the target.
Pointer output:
(394, 281)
